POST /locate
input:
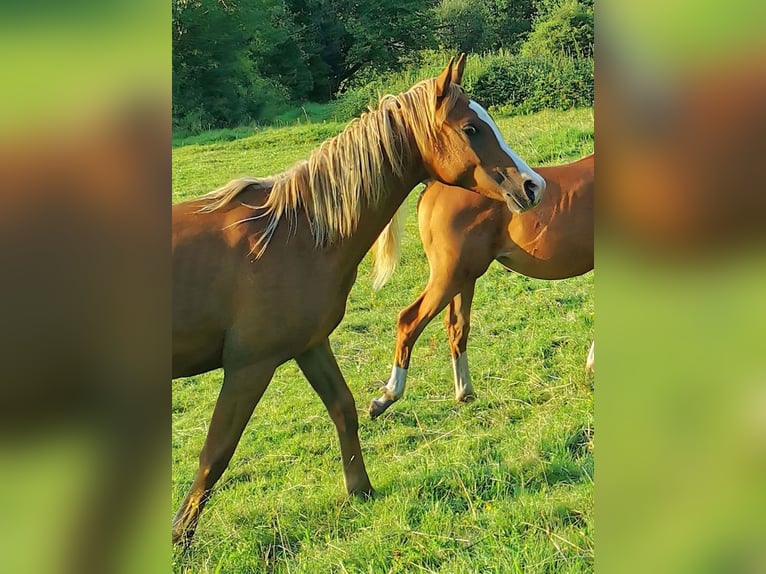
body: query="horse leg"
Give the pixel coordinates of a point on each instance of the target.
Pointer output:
(242, 389)
(590, 362)
(320, 368)
(410, 324)
(457, 320)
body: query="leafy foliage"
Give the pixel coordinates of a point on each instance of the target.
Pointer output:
(216, 78)
(464, 25)
(511, 21)
(553, 68)
(530, 84)
(237, 62)
(342, 37)
(565, 29)
(242, 62)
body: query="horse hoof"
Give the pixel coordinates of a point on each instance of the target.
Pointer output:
(182, 540)
(376, 409)
(467, 398)
(363, 494)
(379, 406)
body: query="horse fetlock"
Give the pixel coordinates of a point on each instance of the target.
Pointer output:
(182, 538)
(185, 521)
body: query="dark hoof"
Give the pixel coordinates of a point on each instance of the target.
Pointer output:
(184, 527)
(182, 540)
(467, 399)
(363, 494)
(378, 407)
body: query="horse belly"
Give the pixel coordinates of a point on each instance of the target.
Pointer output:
(282, 320)
(547, 261)
(196, 352)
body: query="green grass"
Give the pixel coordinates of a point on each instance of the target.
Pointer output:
(503, 484)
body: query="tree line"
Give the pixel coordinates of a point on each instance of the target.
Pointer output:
(239, 61)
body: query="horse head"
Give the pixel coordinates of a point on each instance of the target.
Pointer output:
(470, 151)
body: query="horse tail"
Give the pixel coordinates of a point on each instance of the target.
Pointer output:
(420, 196)
(386, 250)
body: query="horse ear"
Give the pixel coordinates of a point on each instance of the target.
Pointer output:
(443, 81)
(457, 72)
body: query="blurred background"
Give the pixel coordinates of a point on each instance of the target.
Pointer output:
(681, 313)
(85, 137)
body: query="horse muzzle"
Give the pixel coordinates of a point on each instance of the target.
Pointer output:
(534, 187)
(524, 197)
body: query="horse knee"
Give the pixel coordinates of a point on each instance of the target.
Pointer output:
(404, 324)
(407, 316)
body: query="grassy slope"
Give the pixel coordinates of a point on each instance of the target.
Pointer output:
(504, 484)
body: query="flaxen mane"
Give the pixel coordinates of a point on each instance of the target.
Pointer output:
(347, 171)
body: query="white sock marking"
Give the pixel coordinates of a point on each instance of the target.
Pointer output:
(396, 382)
(463, 386)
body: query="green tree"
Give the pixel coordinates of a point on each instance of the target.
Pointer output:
(483, 25)
(510, 21)
(564, 28)
(464, 26)
(340, 38)
(216, 81)
(275, 47)
(235, 61)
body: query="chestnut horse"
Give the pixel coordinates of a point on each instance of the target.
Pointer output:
(463, 233)
(262, 268)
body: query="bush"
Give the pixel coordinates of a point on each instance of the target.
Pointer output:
(518, 84)
(566, 30)
(504, 82)
(354, 102)
(531, 84)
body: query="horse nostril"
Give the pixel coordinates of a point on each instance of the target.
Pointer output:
(530, 188)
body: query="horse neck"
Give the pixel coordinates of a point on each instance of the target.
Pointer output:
(375, 217)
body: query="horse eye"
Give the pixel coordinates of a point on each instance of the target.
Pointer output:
(469, 129)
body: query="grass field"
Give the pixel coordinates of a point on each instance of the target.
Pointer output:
(503, 484)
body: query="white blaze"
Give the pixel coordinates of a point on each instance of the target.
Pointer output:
(524, 170)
